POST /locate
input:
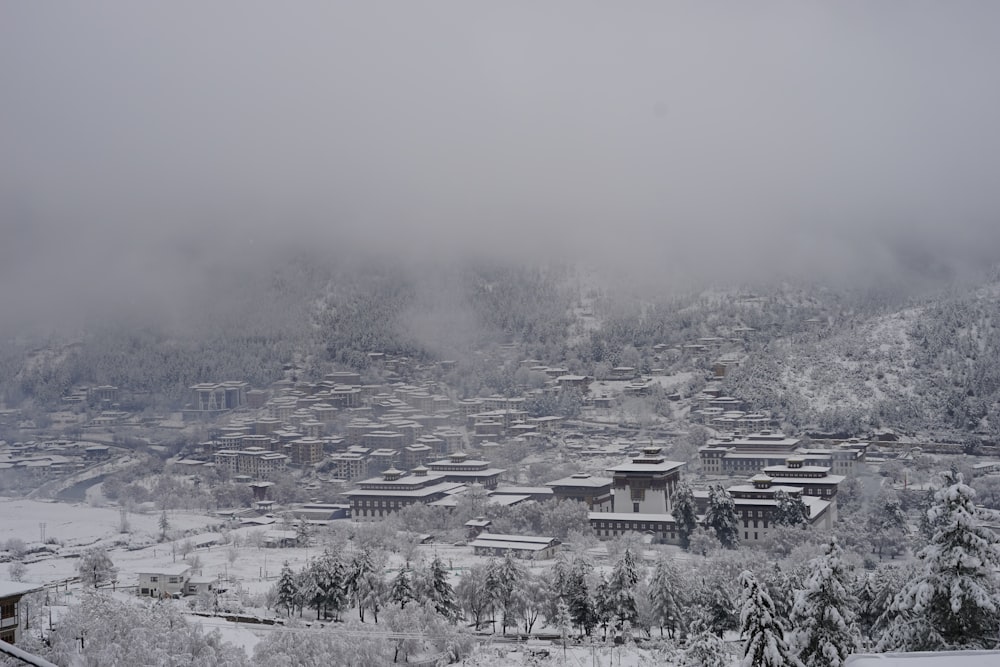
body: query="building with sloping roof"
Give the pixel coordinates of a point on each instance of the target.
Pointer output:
(520, 546)
(380, 496)
(646, 483)
(11, 593)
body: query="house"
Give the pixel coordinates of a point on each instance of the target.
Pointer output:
(164, 581)
(11, 593)
(200, 583)
(520, 546)
(475, 527)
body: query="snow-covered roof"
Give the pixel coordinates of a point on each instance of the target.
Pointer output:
(171, 570)
(11, 588)
(665, 466)
(581, 480)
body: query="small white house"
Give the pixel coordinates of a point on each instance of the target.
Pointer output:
(165, 581)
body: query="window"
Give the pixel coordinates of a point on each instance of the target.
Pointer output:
(635, 508)
(154, 579)
(172, 580)
(8, 610)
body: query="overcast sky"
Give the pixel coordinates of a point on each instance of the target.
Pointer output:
(141, 141)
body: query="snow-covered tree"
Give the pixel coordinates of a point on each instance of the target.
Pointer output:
(503, 577)
(128, 632)
(666, 590)
(721, 517)
(952, 603)
(303, 536)
(761, 629)
(703, 541)
(579, 599)
(621, 589)
(705, 649)
(823, 613)
(556, 584)
(95, 567)
(287, 590)
(684, 513)
(440, 592)
(164, 525)
(563, 623)
(790, 510)
(401, 589)
(887, 524)
(472, 596)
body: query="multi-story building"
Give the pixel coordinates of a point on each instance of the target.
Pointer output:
(217, 397)
(460, 468)
(594, 491)
(11, 593)
(165, 581)
(755, 505)
(379, 496)
(352, 464)
(755, 501)
(305, 451)
(748, 454)
(646, 484)
(255, 462)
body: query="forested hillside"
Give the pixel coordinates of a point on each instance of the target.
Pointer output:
(834, 360)
(930, 366)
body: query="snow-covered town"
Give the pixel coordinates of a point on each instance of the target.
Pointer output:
(499, 334)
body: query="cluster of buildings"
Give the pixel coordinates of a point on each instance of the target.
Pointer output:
(643, 490)
(743, 454)
(353, 431)
(51, 458)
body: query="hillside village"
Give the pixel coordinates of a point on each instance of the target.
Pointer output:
(224, 507)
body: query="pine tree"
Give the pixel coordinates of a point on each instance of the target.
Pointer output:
(667, 595)
(338, 594)
(401, 590)
(684, 513)
(721, 517)
(287, 589)
(823, 613)
(441, 594)
(760, 628)
(580, 602)
(164, 525)
(953, 601)
(621, 590)
(303, 536)
(604, 611)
